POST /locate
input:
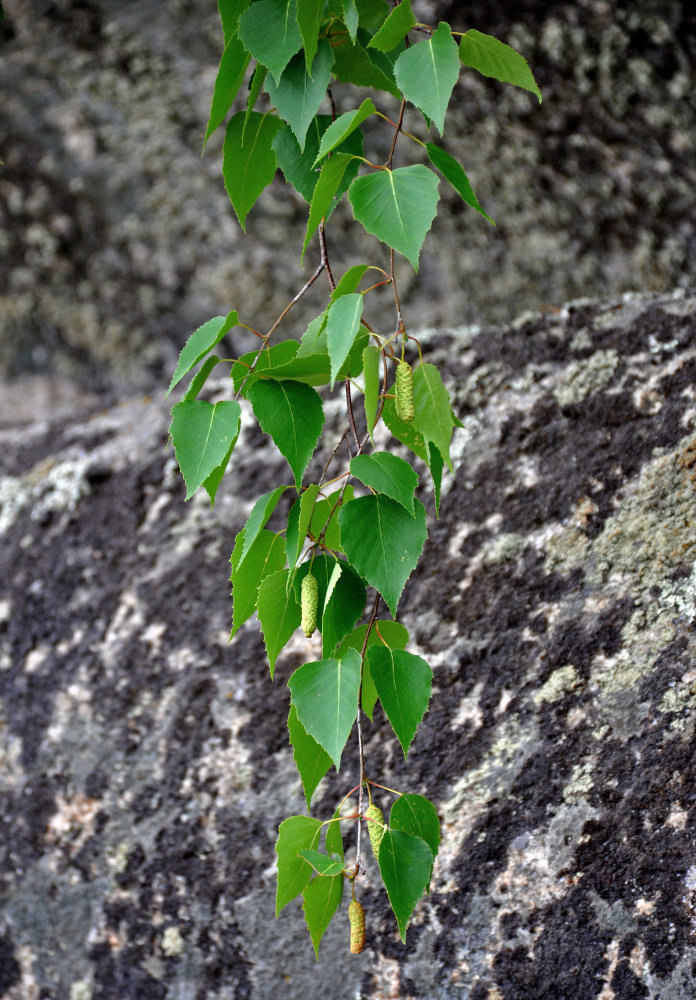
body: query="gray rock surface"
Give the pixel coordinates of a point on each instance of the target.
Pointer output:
(117, 238)
(144, 765)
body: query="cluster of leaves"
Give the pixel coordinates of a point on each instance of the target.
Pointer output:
(363, 528)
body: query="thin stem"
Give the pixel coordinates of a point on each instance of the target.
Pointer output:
(397, 129)
(400, 328)
(351, 416)
(307, 285)
(325, 256)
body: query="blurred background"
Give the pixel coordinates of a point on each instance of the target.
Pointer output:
(117, 238)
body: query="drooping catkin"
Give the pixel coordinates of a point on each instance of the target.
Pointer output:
(356, 915)
(405, 409)
(309, 601)
(374, 817)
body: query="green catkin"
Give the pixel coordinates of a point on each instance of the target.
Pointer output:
(309, 601)
(375, 830)
(356, 915)
(404, 391)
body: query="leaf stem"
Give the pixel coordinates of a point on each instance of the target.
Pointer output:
(361, 748)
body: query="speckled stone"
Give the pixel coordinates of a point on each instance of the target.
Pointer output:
(144, 763)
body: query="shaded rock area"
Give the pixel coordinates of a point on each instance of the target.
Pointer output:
(144, 765)
(117, 239)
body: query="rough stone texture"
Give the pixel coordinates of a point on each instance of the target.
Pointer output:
(143, 761)
(117, 239)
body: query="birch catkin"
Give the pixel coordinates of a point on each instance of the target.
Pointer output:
(375, 829)
(309, 601)
(356, 915)
(404, 391)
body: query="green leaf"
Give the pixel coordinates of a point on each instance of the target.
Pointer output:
(433, 417)
(230, 77)
(392, 633)
(202, 434)
(270, 31)
(372, 13)
(397, 206)
(406, 865)
(349, 281)
(203, 340)
(329, 180)
(351, 18)
(436, 465)
(325, 510)
(199, 380)
(309, 15)
(404, 686)
(322, 863)
(298, 165)
(453, 172)
(258, 78)
(325, 694)
(271, 360)
(496, 59)
(298, 94)
(342, 128)
(353, 64)
(383, 542)
(427, 73)
(341, 601)
(323, 895)
(293, 416)
(342, 325)
(416, 815)
(294, 835)
(279, 614)
(264, 557)
(395, 28)
(248, 166)
(312, 760)
(230, 12)
(371, 356)
(298, 523)
(388, 474)
(260, 513)
(213, 479)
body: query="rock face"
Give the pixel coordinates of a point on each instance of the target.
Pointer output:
(117, 239)
(144, 764)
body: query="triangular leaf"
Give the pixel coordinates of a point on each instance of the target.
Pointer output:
(298, 523)
(248, 166)
(309, 15)
(383, 542)
(416, 815)
(265, 556)
(395, 28)
(406, 865)
(201, 341)
(343, 126)
(340, 609)
(294, 872)
(199, 380)
(433, 418)
(371, 356)
(270, 31)
(279, 614)
(260, 513)
(494, 58)
(404, 686)
(351, 18)
(453, 172)
(326, 187)
(323, 895)
(230, 77)
(397, 206)
(404, 431)
(393, 633)
(349, 281)
(292, 414)
(258, 78)
(342, 325)
(354, 65)
(202, 433)
(312, 760)
(325, 694)
(298, 94)
(298, 164)
(372, 13)
(427, 73)
(214, 478)
(388, 474)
